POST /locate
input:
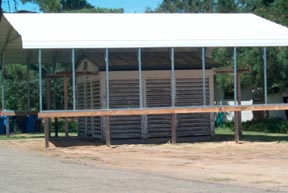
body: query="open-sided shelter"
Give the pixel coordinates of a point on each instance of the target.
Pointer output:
(152, 70)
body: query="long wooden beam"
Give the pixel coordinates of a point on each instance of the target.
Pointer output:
(69, 74)
(230, 71)
(157, 111)
(18, 113)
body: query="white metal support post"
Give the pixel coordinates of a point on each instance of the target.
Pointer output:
(40, 79)
(107, 78)
(73, 79)
(204, 77)
(173, 97)
(107, 118)
(236, 114)
(265, 75)
(140, 78)
(143, 117)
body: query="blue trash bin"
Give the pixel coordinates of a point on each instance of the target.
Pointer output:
(2, 126)
(3, 123)
(30, 124)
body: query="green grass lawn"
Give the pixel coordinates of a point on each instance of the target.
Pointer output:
(22, 136)
(19, 136)
(222, 134)
(228, 134)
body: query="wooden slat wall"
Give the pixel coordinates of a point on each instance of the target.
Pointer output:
(124, 94)
(189, 93)
(89, 124)
(81, 98)
(96, 121)
(88, 97)
(158, 94)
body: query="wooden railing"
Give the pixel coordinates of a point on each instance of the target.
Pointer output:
(162, 110)
(18, 113)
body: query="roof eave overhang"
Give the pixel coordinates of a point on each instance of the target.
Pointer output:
(151, 44)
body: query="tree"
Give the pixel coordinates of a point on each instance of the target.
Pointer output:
(57, 6)
(75, 4)
(47, 5)
(275, 10)
(9, 3)
(19, 80)
(184, 6)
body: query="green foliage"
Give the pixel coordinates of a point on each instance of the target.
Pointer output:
(19, 80)
(96, 10)
(185, 6)
(271, 125)
(21, 136)
(267, 125)
(205, 6)
(277, 59)
(75, 4)
(73, 126)
(229, 126)
(70, 6)
(228, 134)
(47, 5)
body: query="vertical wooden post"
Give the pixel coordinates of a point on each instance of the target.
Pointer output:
(46, 131)
(7, 126)
(48, 94)
(236, 126)
(49, 102)
(108, 137)
(56, 127)
(49, 125)
(66, 104)
(66, 127)
(173, 127)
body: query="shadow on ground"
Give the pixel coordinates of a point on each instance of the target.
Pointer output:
(76, 141)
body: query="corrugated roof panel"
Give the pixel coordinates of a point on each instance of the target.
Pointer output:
(146, 30)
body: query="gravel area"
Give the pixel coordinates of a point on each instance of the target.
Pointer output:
(27, 172)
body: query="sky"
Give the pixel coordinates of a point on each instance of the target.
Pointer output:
(130, 6)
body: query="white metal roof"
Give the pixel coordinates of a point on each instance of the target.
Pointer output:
(146, 30)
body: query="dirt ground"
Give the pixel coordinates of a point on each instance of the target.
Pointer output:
(252, 164)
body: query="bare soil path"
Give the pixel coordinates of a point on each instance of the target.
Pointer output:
(199, 167)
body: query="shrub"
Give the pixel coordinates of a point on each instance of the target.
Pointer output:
(271, 125)
(61, 125)
(227, 125)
